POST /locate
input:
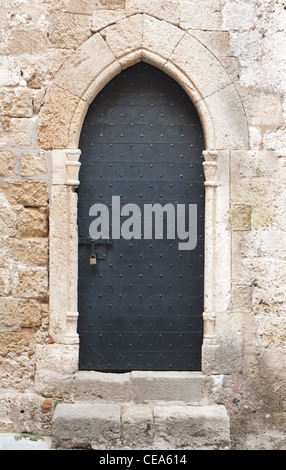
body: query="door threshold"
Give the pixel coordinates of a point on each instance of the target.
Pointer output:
(140, 386)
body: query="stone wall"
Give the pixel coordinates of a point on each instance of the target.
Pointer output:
(248, 39)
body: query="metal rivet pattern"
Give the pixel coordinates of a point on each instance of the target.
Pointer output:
(141, 309)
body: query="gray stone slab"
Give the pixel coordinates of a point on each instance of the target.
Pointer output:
(9, 441)
(167, 386)
(192, 427)
(77, 425)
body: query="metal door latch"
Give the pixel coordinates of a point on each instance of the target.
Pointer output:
(98, 249)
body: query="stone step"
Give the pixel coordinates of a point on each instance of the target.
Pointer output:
(111, 426)
(141, 387)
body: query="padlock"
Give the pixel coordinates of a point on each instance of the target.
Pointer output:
(92, 259)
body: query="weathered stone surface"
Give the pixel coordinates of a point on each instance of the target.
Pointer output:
(204, 15)
(16, 102)
(215, 41)
(8, 218)
(191, 56)
(9, 71)
(7, 163)
(262, 109)
(230, 57)
(55, 357)
(170, 386)
(160, 36)
(110, 426)
(96, 386)
(55, 118)
(15, 341)
(168, 10)
(5, 282)
(84, 65)
(110, 4)
(30, 283)
(231, 132)
(241, 298)
(30, 252)
(241, 217)
(125, 36)
(239, 16)
(33, 164)
(103, 18)
(21, 131)
(26, 17)
(137, 426)
(83, 7)
(27, 193)
(27, 42)
(39, 70)
(194, 427)
(80, 425)
(33, 222)
(24, 313)
(259, 48)
(50, 383)
(68, 30)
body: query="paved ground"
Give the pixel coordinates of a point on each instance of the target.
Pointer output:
(9, 441)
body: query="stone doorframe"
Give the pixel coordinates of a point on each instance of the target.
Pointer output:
(83, 75)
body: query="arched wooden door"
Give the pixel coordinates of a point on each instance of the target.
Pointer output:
(140, 295)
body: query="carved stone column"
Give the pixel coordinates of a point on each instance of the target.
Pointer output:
(64, 246)
(210, 169)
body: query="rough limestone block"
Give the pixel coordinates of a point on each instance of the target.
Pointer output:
(168, 10)
(10, 73)
(16, 103)
(33, 222)
(56, 117)
(110, 4)
(241, 217)
(238, 16)
(79, 425)
(32, 164)
(125, 36)
(25, 313)
(30, 283)
(27, 42)
(231, 124)
(15, 341)
(97, 386)
(27, 193)
(68, 30)
(7, 163)
(103, 18)
(137, 426)
(194, 427)
(30, 252)
(193, 58)
(160, 36)
(21, 131)
(84, 65)
(173, 386)
(262, 109)
(51, 383)
(56, 358)
(204, 15)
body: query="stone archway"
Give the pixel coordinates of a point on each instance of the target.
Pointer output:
(83, 75)
(141, 37)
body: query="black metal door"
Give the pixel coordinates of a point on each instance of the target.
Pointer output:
(140, 299)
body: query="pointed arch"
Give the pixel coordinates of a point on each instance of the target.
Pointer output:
(82, 76)
(136, 38)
